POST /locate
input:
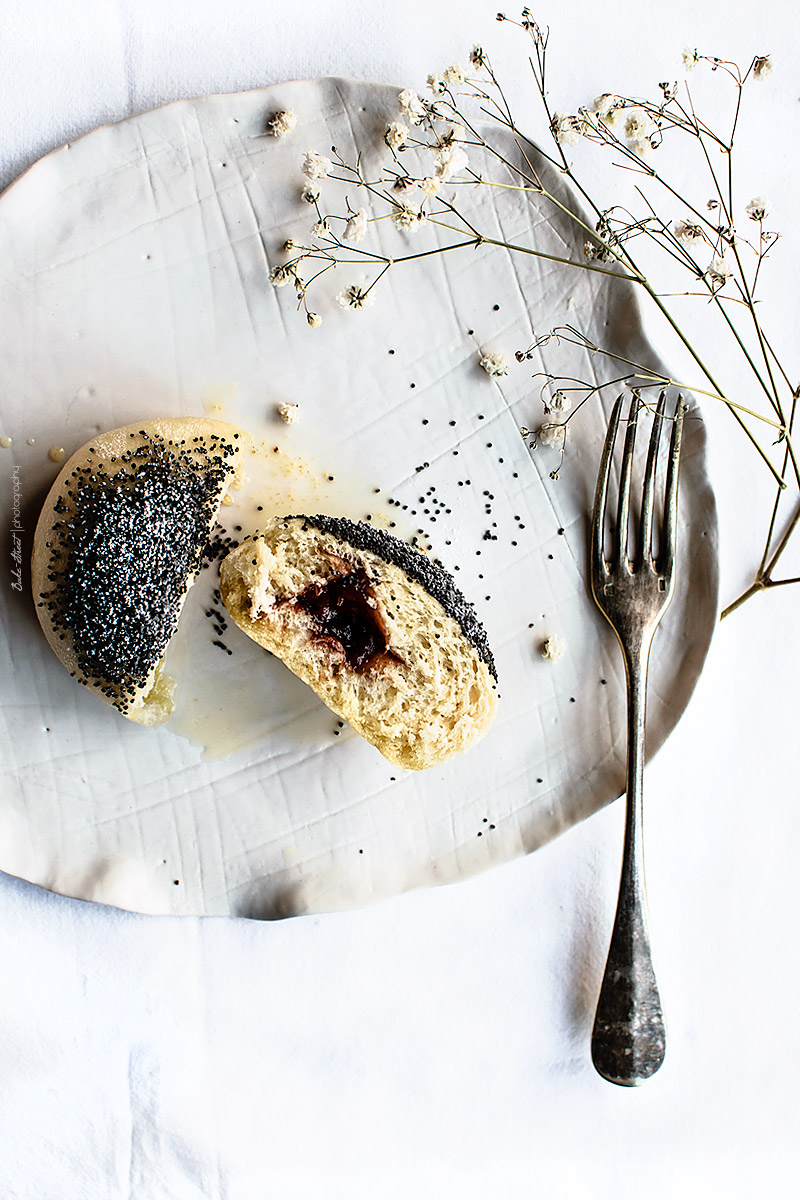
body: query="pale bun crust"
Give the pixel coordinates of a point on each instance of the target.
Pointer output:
(431, 697)
(197, 445)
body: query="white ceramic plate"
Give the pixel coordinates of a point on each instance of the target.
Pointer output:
(133, 283)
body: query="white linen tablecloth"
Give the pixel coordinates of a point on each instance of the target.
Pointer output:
(439, 1041)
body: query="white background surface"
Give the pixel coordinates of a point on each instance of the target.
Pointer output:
(438, 1042)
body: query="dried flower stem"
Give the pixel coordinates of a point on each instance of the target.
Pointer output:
(726, 284)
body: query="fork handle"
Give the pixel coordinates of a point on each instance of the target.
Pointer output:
(628, 1039)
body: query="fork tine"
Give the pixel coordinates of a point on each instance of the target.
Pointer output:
(624, 504)
(648, 491)
(598, 517)
(671, 501)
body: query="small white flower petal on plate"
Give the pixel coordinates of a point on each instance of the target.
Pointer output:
(316, 166)
(494, 364)
(282, 123)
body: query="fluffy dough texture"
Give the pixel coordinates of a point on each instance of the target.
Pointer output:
(382, 635)
(118, 545)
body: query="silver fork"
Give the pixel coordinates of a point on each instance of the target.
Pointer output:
(628, 1037)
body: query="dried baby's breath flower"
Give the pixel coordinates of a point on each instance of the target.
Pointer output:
(688, 231)
(560, 402)
(450, 160)
(494, 364)
(622, 126)
(404, 185)
(552, 433)
(597, 252)
(355, 297)
(409, 217)
(454, 76)
(280, 276)
(396, 135)
(608, 108)
(455, 133)
(639, 126)
(281, 123)
(589, 123)
(718, 273)
(356, 228)
(320, 229)
(314, 319)
(411, 105)
(566, 128)
(553, 648)
(316, 166)
(757, 209)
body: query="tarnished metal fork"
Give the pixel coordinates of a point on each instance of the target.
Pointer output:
(633, 593)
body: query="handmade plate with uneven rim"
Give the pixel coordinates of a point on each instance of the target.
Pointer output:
(133, 283)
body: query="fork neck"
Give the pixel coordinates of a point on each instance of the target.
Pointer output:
(637, 657)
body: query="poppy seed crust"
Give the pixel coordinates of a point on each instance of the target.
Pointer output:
(124, 545)
(436, 581)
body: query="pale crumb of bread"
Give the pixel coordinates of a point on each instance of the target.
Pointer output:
(288, 412)
(429, 696)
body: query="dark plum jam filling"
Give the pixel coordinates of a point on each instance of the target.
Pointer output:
(341, 610)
